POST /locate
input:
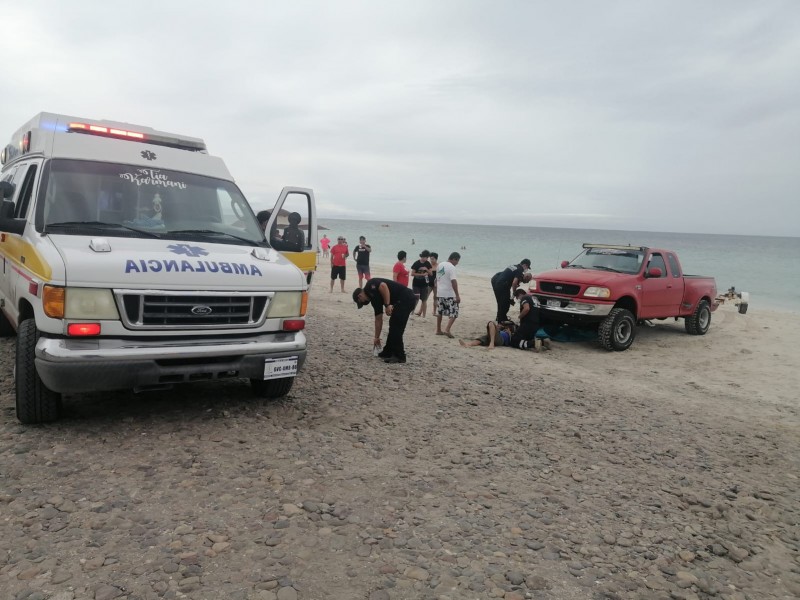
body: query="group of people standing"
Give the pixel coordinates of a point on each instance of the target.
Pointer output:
(339, 254)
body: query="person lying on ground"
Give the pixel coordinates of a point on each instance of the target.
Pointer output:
(496, 334)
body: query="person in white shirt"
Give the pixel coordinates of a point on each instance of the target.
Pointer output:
(448, 298)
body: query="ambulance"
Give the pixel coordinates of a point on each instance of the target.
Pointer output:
(131, 260)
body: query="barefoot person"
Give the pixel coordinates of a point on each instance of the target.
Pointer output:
(339, 254)
(420, 271)
(448, 296)
(496, 334)
(396, 301)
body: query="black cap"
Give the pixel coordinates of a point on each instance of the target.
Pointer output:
(356, 292)
(526, 261)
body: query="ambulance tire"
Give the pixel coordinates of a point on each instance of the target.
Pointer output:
(35, 402)
(272, 388)
(6, 329)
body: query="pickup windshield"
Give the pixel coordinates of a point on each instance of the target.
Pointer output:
(609, 259)
(85, 198)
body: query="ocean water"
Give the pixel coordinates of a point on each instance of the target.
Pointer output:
(766, 267)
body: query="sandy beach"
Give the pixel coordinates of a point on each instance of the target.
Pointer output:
(669, 471)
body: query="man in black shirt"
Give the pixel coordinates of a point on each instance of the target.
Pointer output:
(506, 282)
(396, 301)
(420, 271)
(361, 254)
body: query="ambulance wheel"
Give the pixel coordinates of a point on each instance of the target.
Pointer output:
(700, 320)
(5, 326)
(272, 388)
(617, 330)
(35, 402)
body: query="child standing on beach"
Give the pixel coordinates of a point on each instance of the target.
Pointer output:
(399, 271)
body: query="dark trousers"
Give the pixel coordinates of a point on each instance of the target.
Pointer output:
(526, 331)
(401, 311)
(501, 294)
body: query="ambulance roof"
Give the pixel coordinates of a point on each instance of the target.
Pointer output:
(62, 136)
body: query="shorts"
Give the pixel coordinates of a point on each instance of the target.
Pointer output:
(363, 270)
(447, 307)
(340, 272)
(503, 339)
(422, 292)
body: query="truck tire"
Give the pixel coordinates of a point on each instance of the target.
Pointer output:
(35, 402)
(700, 320)
(272, 388)
(618, 330)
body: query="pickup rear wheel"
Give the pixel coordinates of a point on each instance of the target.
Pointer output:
(700, 320)
(617, 330)
(272, 388)
(36, 403)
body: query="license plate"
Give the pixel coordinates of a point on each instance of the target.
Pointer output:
(554, 303)
(275, 368)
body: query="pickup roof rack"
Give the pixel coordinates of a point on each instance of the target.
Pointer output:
(616, 247)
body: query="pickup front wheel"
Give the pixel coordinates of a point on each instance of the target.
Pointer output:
(617, 330)
(700, 320)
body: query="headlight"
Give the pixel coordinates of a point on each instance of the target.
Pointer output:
(285, 304)
(89, 303)
(532, 285)
(78, 303)
(597, 292)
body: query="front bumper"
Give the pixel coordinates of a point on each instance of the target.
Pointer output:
(570, 310)
(70, 365)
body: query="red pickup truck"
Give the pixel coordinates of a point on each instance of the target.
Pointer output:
(616, 287)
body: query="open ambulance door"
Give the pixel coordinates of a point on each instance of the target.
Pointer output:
(292, 203)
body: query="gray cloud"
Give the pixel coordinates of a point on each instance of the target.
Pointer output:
(678, 116)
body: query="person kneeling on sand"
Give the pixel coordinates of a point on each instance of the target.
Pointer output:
(529, 322)
(496, 334)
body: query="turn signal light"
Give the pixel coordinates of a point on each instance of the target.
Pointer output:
(83, 329)
(53, 301)
(304, 304)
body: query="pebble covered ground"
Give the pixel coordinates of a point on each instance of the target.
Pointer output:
(458, 475)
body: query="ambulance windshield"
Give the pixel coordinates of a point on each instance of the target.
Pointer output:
(130, 200)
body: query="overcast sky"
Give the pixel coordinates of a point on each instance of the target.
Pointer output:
(660, 116)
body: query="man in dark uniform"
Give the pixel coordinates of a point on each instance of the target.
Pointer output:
(506, 282)
(396, 301)
(530, 320)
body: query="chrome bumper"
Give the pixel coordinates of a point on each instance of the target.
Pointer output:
(99, 364)
(565, 306)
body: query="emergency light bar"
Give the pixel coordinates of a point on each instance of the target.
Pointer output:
(100, 130)
(159, 140)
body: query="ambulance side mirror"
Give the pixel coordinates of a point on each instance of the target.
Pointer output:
(6, 189)
(8, 223)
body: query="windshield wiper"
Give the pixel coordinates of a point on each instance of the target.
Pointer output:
(217, 233)
(101, 225)
(574, 266)
(603, 268)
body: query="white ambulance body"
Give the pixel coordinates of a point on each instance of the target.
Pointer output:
(131, 260)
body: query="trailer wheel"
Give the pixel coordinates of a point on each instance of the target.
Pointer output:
(618, 330)
(36, 403)
(272, 388)
(700, 320)
(742, 308)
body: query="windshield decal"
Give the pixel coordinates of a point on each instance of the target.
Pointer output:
(195, 266)
(152, 177)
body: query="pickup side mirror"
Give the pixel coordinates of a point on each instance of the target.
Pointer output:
(564, 264)
(6, 189)
(8, 223)
(654, 272)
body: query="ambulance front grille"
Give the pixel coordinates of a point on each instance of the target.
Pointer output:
(151, 309)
